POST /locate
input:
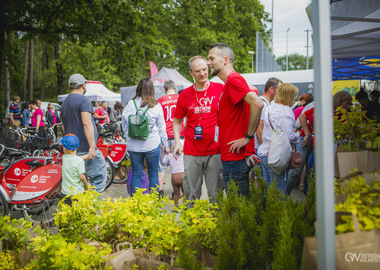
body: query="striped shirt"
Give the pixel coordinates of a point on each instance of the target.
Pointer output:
(15, 109)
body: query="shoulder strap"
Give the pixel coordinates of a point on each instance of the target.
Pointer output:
(134, 102)
(269, 120)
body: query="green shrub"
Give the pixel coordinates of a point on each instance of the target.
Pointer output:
(55, 252)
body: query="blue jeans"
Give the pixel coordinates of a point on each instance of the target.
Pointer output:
(295, 174)
(96, 170)
(237, 171)
(269, 175)
(137, 161)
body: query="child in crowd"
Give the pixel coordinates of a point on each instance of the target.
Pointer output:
(73, 179)
(176, 169)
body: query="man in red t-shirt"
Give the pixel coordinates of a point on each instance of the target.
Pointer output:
(168, 103)
(199, 104)
(238, 116)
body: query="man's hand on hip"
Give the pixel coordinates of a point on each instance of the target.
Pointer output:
(238, 144)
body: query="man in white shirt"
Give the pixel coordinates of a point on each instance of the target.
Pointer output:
(269, 93)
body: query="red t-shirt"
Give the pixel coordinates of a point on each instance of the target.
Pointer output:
(233, 117)
(310, 116)
(102, 112)
(190, 105)
(168, 103)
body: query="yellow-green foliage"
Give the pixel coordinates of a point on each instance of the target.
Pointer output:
(8, 262)
(143, 220)
(14, 232)
(55, 252)
(355, 131)
(363, 200)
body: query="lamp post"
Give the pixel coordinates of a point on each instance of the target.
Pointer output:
(251, 53)
(287, 31)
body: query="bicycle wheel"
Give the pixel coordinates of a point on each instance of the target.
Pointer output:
(121, 181)
(43, 212)
(3, 206)
(110, 174)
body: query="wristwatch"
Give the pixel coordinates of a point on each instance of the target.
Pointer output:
(248, 136)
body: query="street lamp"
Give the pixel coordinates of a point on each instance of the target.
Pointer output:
(251, 52)
(287, 31)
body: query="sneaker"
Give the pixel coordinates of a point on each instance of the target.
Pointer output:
(161, 193)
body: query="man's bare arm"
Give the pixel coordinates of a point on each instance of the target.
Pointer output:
(256, 106)
(177, 137)
(89, 133)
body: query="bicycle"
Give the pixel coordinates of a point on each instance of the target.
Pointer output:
(30, 185)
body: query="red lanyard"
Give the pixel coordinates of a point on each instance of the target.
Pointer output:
(198, 103)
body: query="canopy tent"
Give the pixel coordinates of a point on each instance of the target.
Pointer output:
(355, 39)
(352, 31)
(165, 74)
(96, 91)
(356, 68)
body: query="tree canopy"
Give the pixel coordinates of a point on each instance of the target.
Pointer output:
(113, 41)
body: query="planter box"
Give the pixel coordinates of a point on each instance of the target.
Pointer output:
(365, 161)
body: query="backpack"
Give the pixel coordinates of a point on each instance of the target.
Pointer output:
(138, 124)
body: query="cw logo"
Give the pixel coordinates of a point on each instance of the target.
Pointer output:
(206, 101)
(351, 257)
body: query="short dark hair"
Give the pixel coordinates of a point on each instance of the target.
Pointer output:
(169, 84)
(272, 82)
(361, 94)
(33, 102)
(226, 49)
(375, 93)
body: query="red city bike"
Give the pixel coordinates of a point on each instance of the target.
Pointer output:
(114, 154)
(30, 185)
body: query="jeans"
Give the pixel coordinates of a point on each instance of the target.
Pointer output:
(295, 174)
(96, 170)
(137, 161)
(237, 171)
(269, 175)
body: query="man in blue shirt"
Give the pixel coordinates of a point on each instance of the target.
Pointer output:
(77, 118)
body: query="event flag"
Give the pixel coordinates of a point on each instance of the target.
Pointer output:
(153, 69)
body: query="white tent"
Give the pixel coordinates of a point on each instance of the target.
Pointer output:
(165, 74)
(96, 91)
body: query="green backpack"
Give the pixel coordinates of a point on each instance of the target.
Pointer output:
(138, 125)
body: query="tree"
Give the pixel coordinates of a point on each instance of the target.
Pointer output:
(295, 62)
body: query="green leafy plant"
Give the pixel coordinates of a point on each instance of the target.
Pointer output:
(355, 131)
(362, 200)
(55, 252)
(15, 233)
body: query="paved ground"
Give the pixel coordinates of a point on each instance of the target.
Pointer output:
(117, 190)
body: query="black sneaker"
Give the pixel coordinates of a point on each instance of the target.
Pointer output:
(161, 193)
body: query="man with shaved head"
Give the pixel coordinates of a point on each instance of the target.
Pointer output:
(239, 111)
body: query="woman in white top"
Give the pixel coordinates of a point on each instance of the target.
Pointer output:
(148, 149)
(282, 117)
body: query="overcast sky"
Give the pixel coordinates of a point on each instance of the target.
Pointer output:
(289, 14)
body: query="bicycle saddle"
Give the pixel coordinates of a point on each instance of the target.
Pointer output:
(106, 134)
(34, 163)
(16, 154)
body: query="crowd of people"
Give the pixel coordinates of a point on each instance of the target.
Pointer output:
(211, 132)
